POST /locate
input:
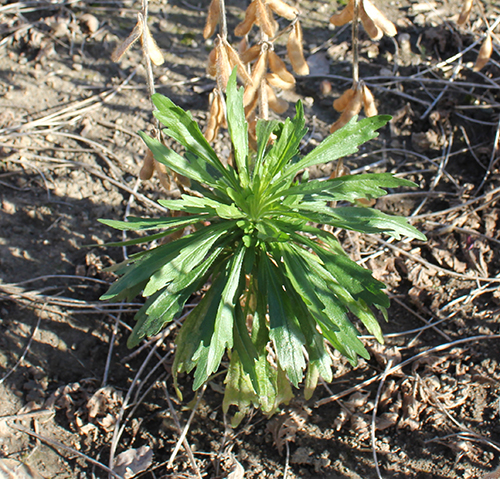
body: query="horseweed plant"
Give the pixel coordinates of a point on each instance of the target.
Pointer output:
(277, 284)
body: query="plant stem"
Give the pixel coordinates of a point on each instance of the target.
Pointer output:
(147, 60)
(355, 44)
(222, 19)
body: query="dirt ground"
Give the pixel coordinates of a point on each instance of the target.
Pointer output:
(72, 396)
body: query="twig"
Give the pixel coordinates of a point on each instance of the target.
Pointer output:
(396, 368)
(186, 427)
(60, 445)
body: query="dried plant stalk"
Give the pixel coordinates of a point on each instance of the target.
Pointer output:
(465, 13)
(484, 53)
(212, 19)
(246, 25)
(295, 51)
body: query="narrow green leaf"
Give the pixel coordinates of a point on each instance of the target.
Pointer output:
(181, 126)
(142, 224)
(188, 258)
(178, 163)
(339, 144)
(238, 128)
(284, 330)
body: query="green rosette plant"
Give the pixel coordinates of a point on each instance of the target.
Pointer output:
(276, 285)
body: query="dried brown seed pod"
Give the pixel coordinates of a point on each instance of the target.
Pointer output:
(277, 82)
(212, 63)
(277, 65)
(258, 72)
(484, 53)
(234, 61)
(125, 46)
(465, 13)
(382, 22)
(278, 105)
(246, 25)
(341, 103)
(222, 64)
(353, 108)
(374, 32)
(153, 50)
(344, 16)
(148, 166)
(264, 18)
(295, 51)
(250, 54)
(283, 9)
(369, 102)
(250, 108)
(213, 122)
(212, 19)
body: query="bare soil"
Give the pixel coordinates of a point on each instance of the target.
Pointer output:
(427, 402)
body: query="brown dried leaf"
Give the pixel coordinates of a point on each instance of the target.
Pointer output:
(133, 461)
(285, 427)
